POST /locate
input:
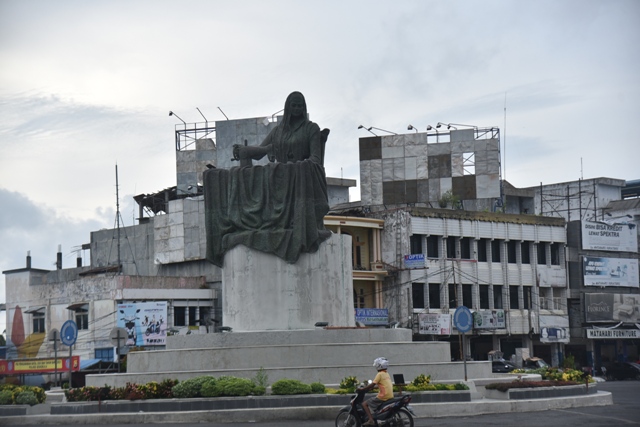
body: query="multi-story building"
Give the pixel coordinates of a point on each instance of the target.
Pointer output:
(446, 244)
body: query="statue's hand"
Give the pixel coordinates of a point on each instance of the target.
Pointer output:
(239, 152)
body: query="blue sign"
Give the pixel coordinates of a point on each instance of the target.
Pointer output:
(462, 319)
(372, 316)
(69, 333)
(414, 261)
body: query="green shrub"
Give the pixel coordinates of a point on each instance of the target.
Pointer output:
(190, 388)
(228, 386)
(422, 380)
(259, 390)
(349, 383)
(6, 397)
(317, 388)
(26, 398)
(261, 379)
(287, 386)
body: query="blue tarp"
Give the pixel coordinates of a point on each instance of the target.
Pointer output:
(84, 364)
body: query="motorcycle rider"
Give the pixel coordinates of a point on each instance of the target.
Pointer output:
(383, 382)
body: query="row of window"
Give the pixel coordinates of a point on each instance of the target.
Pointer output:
(182, 316)
(448, 295)
(81, 318)
(487, 250)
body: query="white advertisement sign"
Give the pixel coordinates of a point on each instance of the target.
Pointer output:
(604, 237)
(600, 271)
(554, 329)
(434, 324)
(145, 323)
(489, 319)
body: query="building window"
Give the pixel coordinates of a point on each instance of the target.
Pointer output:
(432, 247)
(81, 315)
(453, 296)
(179, 316)
(511, 252)
(482, 250)
(467, 298)
(465, 248)
(451, 247)
(542, 253)
(513, 297)
(526, 255)
(497, 297)
(495, 250)
(416, 243)
(417, 294)
(484, 296)
(104, 354)
(193, 319)
(526, 294)
(434, 295)
(38, 323)
(359, 298)
(555, 254)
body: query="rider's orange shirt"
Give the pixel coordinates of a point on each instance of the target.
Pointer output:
(384, 383)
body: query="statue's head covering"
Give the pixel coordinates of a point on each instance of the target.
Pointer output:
(287, 108)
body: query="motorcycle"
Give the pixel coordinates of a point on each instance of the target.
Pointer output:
(395, 412)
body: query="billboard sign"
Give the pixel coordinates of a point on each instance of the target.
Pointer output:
(489, 319)
(372, 316)
(38, 366)
(434, 324)
(414, 261)
(612, 308)
(144, 322)
(599, 271)
(600, 236)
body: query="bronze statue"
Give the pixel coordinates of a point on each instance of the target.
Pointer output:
(277, 208)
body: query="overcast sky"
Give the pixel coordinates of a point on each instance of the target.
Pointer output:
(86, 85)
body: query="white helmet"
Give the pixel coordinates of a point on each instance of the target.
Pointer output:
(381, 363)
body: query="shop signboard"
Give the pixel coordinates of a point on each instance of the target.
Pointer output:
(372, 316)
(144, 322)
(613, 334)
(600, 271)
(434, 324)
(489, 319)
(612, 308)
(600, 236)
(38, 366)
(414, 261)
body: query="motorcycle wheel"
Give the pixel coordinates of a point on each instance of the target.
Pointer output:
(402, 419)
(345, 419)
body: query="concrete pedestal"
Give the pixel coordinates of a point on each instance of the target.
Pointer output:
(262, 292)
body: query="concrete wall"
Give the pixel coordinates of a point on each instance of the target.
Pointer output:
(262, 292)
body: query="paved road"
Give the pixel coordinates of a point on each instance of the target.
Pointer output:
(624, 412)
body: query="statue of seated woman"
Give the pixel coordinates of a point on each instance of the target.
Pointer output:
(277, 208)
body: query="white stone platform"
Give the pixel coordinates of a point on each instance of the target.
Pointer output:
(262, 292)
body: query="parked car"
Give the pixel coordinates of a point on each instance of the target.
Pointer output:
(622, 371)
(535, 363)
(502, 366)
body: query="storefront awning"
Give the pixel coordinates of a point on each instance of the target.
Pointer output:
(35, 310)
(77, 305)
(84, 364)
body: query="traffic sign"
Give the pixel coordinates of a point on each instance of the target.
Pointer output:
(69, 333)
(462, 319)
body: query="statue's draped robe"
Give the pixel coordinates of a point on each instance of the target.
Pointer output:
(277, 208)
